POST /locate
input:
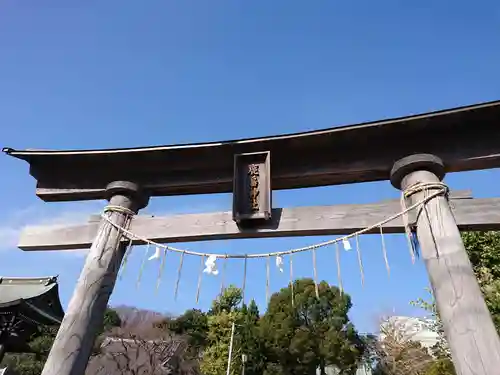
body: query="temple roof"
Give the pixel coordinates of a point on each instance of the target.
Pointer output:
(466, 138)
(39, 295)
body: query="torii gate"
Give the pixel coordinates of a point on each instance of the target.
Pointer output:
(408, 151)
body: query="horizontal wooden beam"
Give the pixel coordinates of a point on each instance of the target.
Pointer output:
(464, 138)
(454, 194)
(471, 214)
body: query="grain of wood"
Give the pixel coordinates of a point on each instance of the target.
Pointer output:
(470, 214)
(473, 340)
(84, 316)
(464, 138)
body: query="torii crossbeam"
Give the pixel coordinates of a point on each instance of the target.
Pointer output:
(470, 215)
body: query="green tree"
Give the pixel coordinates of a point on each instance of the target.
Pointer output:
(111, 320)
(483, 249)
(216, 354)
(249, 339)
(225, 311)
(222, 315)
(193, 325)
(229, 300)
(32, 363)
(441, 366)
(208, 334)
(312, 332)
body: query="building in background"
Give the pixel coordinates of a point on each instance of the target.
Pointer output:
(26, 303)
(411, 329)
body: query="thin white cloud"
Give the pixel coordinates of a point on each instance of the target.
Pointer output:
(9, 235)
(13, 223)
(69, 214)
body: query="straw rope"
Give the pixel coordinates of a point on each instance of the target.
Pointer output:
(430, 190)
(441, 189)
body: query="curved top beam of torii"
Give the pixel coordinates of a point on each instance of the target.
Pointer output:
(465, 138)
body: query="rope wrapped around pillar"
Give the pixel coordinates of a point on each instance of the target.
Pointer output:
(469, 329)
(84, 316)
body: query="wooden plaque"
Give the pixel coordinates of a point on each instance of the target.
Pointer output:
(252, 187)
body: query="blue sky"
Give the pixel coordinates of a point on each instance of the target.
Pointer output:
(77, 75)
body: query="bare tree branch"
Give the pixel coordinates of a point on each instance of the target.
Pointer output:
(397, 352)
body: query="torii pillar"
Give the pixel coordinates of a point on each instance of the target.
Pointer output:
(84, 316)
(467, 323)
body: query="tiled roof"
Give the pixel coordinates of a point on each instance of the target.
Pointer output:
(38, 294)
(15, 288)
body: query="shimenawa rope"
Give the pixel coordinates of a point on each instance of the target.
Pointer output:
(441, 188)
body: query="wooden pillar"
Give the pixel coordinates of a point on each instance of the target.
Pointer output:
(469, 329)
(84, 316)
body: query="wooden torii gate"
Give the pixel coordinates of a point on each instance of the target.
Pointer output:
(408, 151)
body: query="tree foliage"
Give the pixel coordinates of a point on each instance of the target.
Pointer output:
(228, 301)
(312, 332)
(250, 340)
(483, 249)
(288, 339)
(300, 337)
(225, 312)
(208, 334)
(32, 363)
(194, 325)
(215, 356)
(111, 320)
